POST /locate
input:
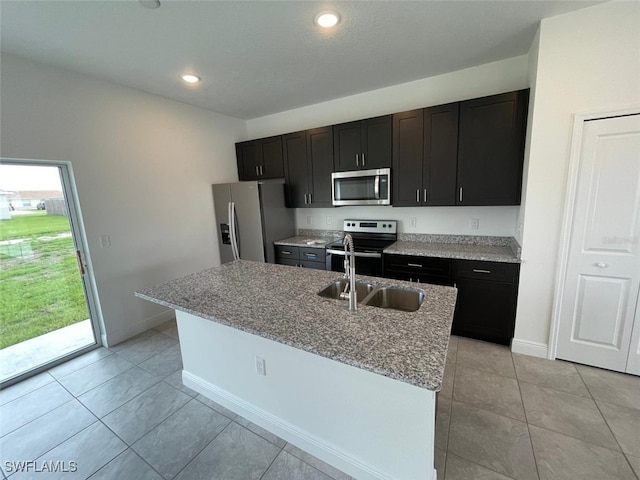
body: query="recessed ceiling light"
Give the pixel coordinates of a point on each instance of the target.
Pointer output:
(327, 19)
(150, 3)
(190, 78)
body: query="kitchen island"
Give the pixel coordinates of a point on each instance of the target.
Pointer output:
(354, 389)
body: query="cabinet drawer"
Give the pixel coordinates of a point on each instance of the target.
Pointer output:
(493, 271)
(419, 265)
(312, 254)
(285, 251)
(314, 265)
(292, 262)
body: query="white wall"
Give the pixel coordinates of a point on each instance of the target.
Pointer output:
(495, 221)
(143, 165)
(588, 62)
(487, 79)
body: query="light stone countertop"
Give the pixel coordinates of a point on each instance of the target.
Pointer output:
(304, 241)
(491, 253)
(281, 303)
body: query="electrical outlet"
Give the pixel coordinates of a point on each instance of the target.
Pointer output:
(105, 241)
(474, 223)
(260, 366)
(413, 222)
(309, 219)
(329, 220)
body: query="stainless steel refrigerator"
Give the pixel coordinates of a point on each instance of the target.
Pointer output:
(250, 216)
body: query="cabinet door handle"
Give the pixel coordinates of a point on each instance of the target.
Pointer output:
(310, 255)
(460, 194)
(261, 170)
(417, 195)
(285, 252)
(425, 195)
(414, 265)
(363, 159)
(305, 199)
(601, 265)
(357, 160)
(257, 171)
(310, 197)
(478, 270)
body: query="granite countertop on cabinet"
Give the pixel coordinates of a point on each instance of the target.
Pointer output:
(304, 241)
(311, 238)
(493, 249)
(281, 304)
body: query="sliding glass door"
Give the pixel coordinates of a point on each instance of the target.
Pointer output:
(47, 310)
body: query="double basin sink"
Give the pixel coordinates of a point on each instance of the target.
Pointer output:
(395, 298)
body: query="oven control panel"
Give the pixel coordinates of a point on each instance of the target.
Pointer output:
(371, 226)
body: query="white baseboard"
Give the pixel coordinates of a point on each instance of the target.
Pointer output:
(533, 349)
(287, 431)
(113, 338)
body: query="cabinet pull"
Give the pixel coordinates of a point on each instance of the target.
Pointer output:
(414, 265)
(305, 199)
(357, 160)
(363, 159)
(460, 194)
(310, 255)
(425, 195)
(285, 252)
(478, 270)
(257, 171)
(310, 198)
(261, 170)
(417, 195)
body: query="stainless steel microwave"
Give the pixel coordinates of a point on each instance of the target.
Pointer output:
(361, 187)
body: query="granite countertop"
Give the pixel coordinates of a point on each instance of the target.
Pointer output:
(281, 303)
(493, 249)
(304, 241)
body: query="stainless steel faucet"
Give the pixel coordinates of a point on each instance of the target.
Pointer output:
(350, 271)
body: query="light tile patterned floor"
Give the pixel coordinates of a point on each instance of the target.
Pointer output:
(124, 413)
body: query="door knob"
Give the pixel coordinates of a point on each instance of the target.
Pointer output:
(601, 265)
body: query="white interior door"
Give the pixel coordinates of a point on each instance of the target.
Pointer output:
(600, 294)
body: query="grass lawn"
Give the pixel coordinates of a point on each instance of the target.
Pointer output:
(40, 285)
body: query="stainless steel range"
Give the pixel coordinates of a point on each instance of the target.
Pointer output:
(370, 238)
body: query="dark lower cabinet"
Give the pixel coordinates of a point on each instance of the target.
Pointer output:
(486, 303)
(487, 292)
(305, 257)
(418, 269)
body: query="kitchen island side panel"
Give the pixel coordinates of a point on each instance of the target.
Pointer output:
(365, 424)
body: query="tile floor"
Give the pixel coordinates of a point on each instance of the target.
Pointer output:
(40, 350)
(124, 413)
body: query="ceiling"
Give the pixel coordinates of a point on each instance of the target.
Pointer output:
(261, 57)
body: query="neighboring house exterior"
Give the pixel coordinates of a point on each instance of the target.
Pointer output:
(30, 199)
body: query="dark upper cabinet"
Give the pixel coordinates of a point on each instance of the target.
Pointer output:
(440, 154)
(365, 144)
(491, 149)
(320, 155)
(260, 159)
(297, 171)
(407, 158)
(425, 144)
(308, 157)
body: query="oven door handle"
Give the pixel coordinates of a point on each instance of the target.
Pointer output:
(357, 254)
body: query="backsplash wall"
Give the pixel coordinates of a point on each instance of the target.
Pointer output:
(494, 221)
